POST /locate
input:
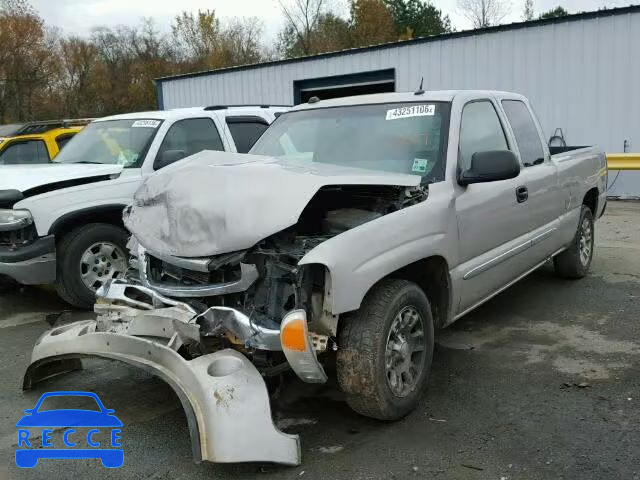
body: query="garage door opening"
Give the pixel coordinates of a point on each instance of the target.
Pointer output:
(380, 81)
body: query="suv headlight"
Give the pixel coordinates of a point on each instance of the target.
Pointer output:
(14, 219)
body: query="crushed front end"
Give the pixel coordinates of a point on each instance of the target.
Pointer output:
(220, 389)
(215, 327)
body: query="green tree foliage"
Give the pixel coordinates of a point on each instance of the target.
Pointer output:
(311, 28)
(371, 23)
(417, 18)
(554, 13)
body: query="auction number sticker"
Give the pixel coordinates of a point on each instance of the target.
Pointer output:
(145, 124)
(412, 111)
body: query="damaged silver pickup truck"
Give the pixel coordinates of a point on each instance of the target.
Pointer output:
(357, 228)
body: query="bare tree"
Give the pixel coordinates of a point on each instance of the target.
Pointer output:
(240, 43)
(484, 13)
(528, 13)
(302, 17)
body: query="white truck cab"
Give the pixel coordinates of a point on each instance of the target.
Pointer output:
(62, 222)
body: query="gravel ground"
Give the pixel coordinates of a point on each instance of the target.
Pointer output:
(540, 383)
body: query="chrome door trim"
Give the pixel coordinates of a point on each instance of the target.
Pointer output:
(503, 288)
(543, 236)
(489, 264)
(474, 272)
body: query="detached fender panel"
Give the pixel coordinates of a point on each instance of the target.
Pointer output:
(224, 397)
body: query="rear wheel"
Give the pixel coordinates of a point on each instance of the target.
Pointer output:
(87, 257)
(575, 261)
(385, 350)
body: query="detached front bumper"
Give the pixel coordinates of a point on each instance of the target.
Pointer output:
(33, 264)
(223, 395)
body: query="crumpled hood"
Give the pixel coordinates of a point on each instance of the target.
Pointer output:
(217, 202)
(27, 177)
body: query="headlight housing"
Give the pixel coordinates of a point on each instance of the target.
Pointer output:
(14, 219)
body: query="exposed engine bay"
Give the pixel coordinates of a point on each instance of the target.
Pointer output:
(265, 282)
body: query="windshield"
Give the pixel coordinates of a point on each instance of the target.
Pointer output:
(113, 142)
(403, 138)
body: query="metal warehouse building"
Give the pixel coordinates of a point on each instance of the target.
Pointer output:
(582, 73)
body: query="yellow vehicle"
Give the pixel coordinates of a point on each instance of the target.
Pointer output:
(36, 142)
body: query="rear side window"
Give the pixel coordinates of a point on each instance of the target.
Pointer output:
(246, 131)
(191, 136)
(480, 131)
(525, 132)
(21, 153)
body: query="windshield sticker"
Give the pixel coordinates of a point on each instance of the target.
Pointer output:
(146, 124)
(127, 158)
(413, 111)
(419, 165)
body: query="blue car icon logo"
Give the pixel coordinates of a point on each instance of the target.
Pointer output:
(39, 424)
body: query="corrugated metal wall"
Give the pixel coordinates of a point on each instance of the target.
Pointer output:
(582, 75)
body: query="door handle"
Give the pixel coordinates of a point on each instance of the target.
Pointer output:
(522, 194)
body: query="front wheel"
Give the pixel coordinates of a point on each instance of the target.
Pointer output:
(87, 257)
(385, 350)
(575, 261)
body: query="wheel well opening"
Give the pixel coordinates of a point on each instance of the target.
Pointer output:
(111, 215)
(432, 276)
(591, 200)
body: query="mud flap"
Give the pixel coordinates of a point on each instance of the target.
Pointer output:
(224, 396)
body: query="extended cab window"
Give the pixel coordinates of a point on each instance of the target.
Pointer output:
(188, 137)
(25, 152)
(480, 131)
(245, 130)
(525, 131)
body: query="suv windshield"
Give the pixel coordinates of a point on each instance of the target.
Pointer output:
(403, 138)
(115, 142)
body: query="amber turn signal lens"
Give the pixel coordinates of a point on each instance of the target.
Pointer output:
(294, 335)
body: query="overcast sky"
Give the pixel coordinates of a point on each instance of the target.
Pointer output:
(79, 16)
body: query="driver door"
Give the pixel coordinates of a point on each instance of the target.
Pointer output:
(492, 221)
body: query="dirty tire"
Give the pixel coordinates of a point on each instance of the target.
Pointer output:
(362, 343)
(570, 264)
(69, 251)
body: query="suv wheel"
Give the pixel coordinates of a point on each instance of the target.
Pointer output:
(87, 257)
(385, 350)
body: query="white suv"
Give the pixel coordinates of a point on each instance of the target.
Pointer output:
(62, 222)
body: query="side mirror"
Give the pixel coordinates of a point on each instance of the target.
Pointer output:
(490, 166)
(168, 157)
